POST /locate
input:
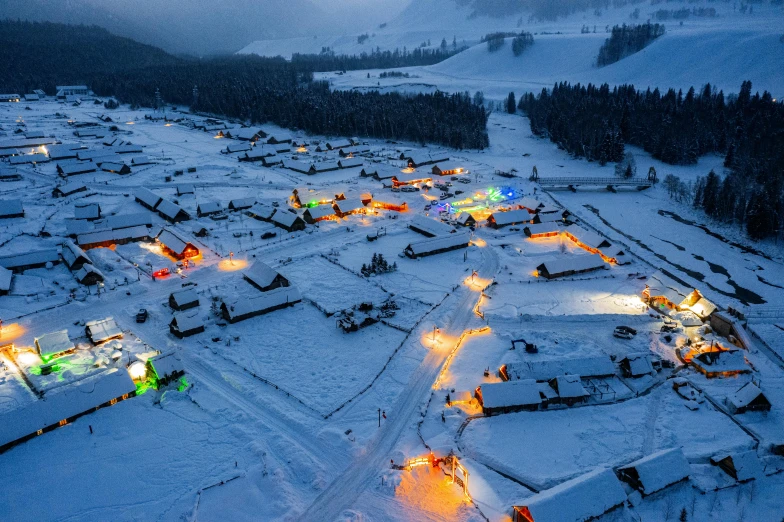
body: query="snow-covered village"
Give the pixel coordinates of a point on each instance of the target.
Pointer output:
(481, 262)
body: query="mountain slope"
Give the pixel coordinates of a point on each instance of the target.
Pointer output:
(180, 26)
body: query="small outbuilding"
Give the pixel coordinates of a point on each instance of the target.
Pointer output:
(288, 221)
(11, 208)
(74, 256)
(267, 302)
(165, 368)
(208, 208)
(242, 203)
(508, 396)
(748, 398)
(102, 330)
(186, 324)
(176, 246)
(743, 466)
(172, 212)
(184, 299)
(264, 278)
(570, 266)
(55, 344)
(656, 471)
(437, 245)
(636, 365)
(88, 275)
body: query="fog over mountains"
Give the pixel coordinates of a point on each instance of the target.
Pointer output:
(202, 27)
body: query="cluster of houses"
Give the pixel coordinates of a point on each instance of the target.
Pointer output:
(440, 237)
(273, 292)
(110, 384)
(64, 93)
(563, 382)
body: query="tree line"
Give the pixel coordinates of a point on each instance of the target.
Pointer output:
(251, 88)
(376, 59)
(595, 122)
(626, 40)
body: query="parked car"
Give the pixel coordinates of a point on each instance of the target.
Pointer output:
(410, 188)
(627, 329)
(395, 189)
(458, 192)
(464, 180)
(141, 315)
(161, 273)
(268, 235)
(428, 206)
(621, 334)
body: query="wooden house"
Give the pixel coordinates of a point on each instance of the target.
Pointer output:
(176, 246)
(106, 238)
(721, 363)
(87, 211)
(585, 239)
(287, 221)
(115, 168)
(543, 230)
(172, 212)
(73, 168)
(511, 217)
(185, 325)
(165, 368)
(582, 498)
(38, 259)
(246, 308)
(389, 203)
(656, 471)
(208, 208)
(261, 212)
(54, 344)
(339, 144)
(429, 227)
(69, 189)
(242, 203)
(319, 213)
(147, 198)
(509, 396)
(187, 188)
(251, 134)
(570, 266)
(74, 256)
(277, 139)
(636, 365)
(437, 245)
(348, 163)
(59, 409)
(448, 168)
(570, 389)
(88, 275)
(349, 206)
(742, 466)
(748, 398)
(184, 299)
(465, 219)
(264, 278)
(102, 330)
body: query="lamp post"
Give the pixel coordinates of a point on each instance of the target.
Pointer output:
(231, 257)
(435, 329)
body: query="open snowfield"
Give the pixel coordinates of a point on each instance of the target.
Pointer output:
(283, 416)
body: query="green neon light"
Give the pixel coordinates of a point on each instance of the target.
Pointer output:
(183, 384)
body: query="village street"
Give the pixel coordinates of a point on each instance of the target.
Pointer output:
(344, 490)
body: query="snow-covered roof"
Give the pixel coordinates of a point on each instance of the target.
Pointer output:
(185, 321)
(576, 263)
(129, 220)
(172, 241)
(744, 396)
(570, 386)
(594, 366)
(66, 150)
(578, 499)
(128, 148)
(449, 166)
(54, 343)
(5, 279)
(209, 207)
(249, 133)
(463, 217)
(433, 244)
(39, 257)
(185, 189)
(140, 160)
(747, 465)
(722, 361)
(261, 210)
(168, 209)
(73, 254)
(284, 218)
(640, 364)
(25, 143)
(28, 158)
(660, 285)
(548, 218)
(347, 163)
(587, 237)
(236, 147)
(185, 297)
(11, 207)
(76, 167)
(113, 167)
(264, 301)
(542, 228)
(703, 308)
(297, 166)
(166, 365)
(147, 197)
(242, 203)
(659, 470)
(72, 188)
(510, 394)
(320, 211)
(529, 203)
(88, 270)
(119, 234)
(380, 171)
(102, 330)
(431, 227)
(64, 403)
(325, 166)
(349, 205)
(260, 274)
(87, 211)
(339, 144)
(510, 217)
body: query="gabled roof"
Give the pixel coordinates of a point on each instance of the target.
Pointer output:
(173, 242)
(73, 254)
(570, 386)
(102, 330)
(587, 237)
(347, 163)
(260, 274)
(88, 270)
(746, 464)
(437, 243)
(545, 370)
(129, 220)
(577, 263)
(209, 207)
(186, 321)
(510, 394)
(261, 210)
(578, 499)
(640, 364)
(349, 205)
(264, 301)
(72, 188)
(542, 228)
(28, 158)
(169, 210)
(428, 226)
(659, 470)
(87, 211)
(745, 395)
(54, 343)
(39, 257)
(319, 211)
(297, 166)
(242, 203)
(185, 189)
(166, 365)
(76, 167)
(148, 197)
(510, 217)
(287, 219)
(185, 297)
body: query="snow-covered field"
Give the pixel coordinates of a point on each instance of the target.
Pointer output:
(283, 416)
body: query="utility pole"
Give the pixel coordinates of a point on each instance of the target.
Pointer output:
(379, 417)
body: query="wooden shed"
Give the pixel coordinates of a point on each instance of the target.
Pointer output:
(184, 299)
